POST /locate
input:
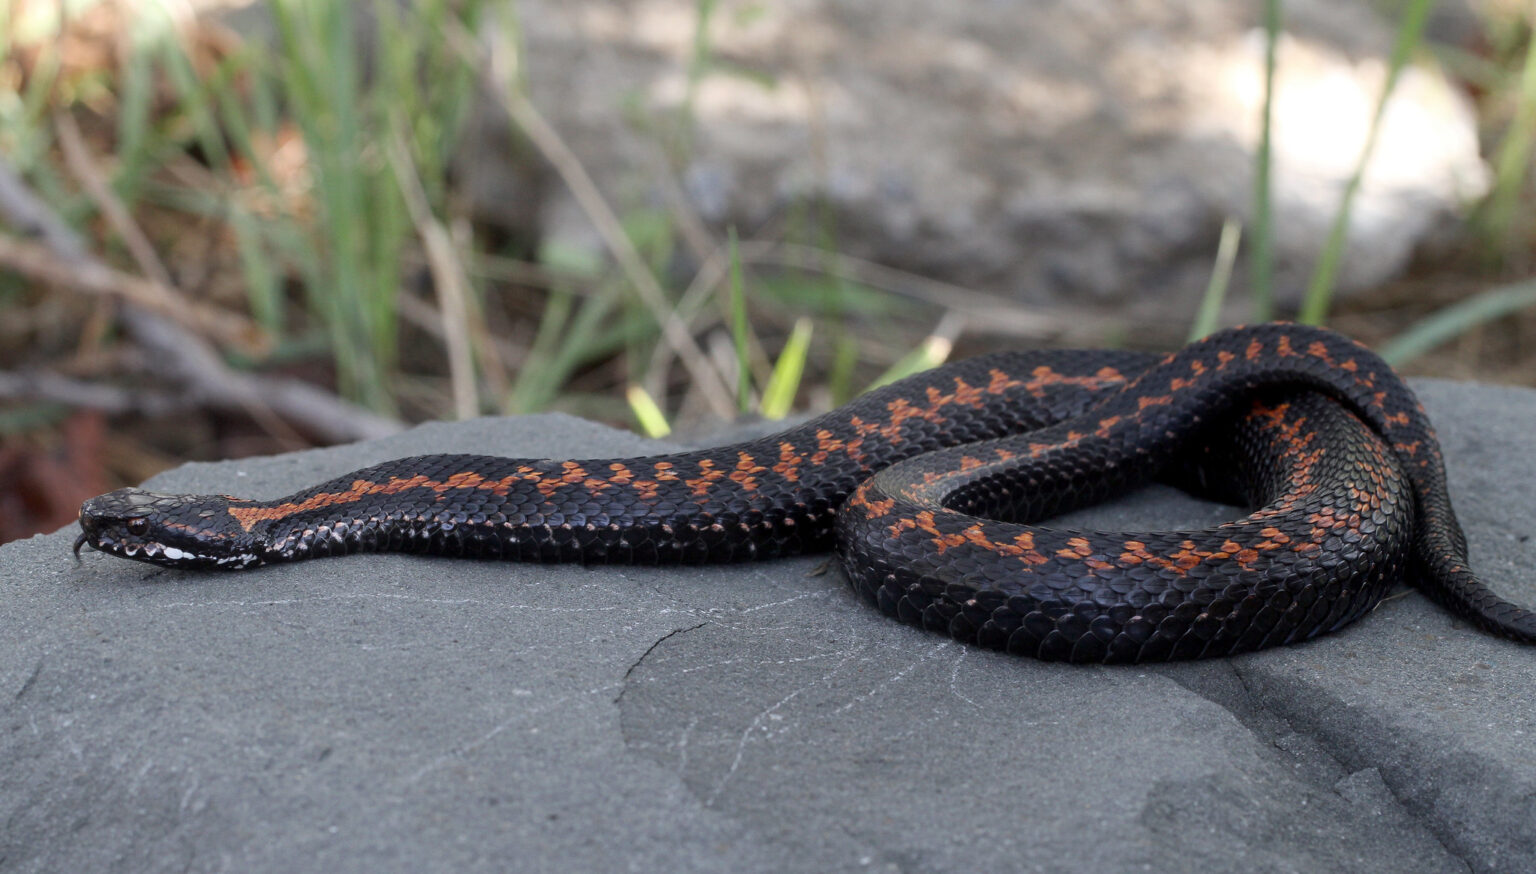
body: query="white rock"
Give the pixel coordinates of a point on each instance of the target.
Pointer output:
(1049, 152)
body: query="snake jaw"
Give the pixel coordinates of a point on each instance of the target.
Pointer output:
(168, 530)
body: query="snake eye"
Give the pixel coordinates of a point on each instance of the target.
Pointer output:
(138, 526)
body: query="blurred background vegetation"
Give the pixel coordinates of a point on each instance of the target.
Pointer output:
(212, 247)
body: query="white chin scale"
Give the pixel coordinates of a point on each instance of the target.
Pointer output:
(171, 556)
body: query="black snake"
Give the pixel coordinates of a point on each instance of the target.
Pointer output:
(926, 487)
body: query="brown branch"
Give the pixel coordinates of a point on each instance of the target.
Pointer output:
(77, 157)
(533, 125)
(448, 279)
(43, 262)
(207, 379)
(42, 385)
(149, 315)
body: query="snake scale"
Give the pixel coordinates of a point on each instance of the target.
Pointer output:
(927, 488)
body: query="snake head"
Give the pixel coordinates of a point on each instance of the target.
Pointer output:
(187, 531)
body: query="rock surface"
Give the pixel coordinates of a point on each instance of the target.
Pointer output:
(389, 713)
(1044, 151)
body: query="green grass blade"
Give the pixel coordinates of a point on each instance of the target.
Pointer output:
(740, 333)
(784, 384)
(930, 354)
(263, 286)
(1319, 294)
(1261, 255)
(845, 358)
(532, 388)
(1208, 318)
(194, 95)
(1513, 160)
(135, 99)
(1456, 319)
(557, 354)
(653, 423)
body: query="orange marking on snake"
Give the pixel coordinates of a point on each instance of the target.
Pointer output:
(1023, 548)
(973, 535)
(649, 489)
(1187, 557)
(872, 509)
(462, 480)
(862, 427)
(965, 394)
(826, 444)
(1076, 548)
(1324, 522)
(999, 382)
(572, 474)
(747, 469)
(1044, 377)
(789, 462)
(248, 516)
(901, 410)
(921, 520)
(709, 474)
(1136, 553)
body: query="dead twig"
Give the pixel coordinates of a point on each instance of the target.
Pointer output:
(43, 262)
(448, 280)
(273, 401)
(42, 385)
(78, 158)
(499, 78)
(179, 354)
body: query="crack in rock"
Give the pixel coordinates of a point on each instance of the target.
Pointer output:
(650, 649)
(1315, 757)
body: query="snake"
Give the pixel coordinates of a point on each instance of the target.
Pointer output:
(931, 490)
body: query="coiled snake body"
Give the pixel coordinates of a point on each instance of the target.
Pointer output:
(927, 486)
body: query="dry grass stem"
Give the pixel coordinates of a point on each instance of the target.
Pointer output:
(553, 147)
(448, 279)
(82, 166)
(38, 262)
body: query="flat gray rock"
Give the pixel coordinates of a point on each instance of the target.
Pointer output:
(392, 713)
